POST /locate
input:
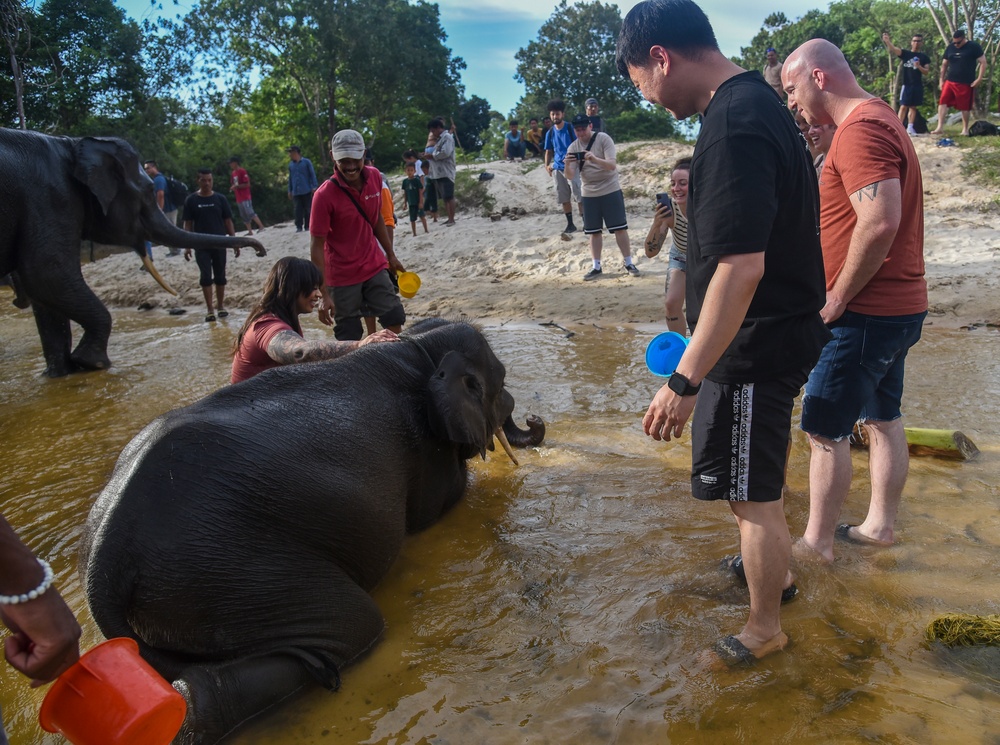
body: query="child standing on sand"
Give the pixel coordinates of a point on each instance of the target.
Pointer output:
(413, 192)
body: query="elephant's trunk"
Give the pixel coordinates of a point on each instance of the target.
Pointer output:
(162, 231)
(147, 262)
(521, 438)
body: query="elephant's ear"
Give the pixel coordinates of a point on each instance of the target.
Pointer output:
(457, 407)
(100, 167)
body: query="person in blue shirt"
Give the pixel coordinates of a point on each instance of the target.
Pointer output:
(557, 140)
(513, 143)
(163, 201)
(301, 185)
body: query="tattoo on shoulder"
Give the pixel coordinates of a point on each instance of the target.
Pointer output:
(285, 347)
(868, 192)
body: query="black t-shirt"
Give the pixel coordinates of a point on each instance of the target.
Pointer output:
(597, 123)
(753, 189)
(911, 75)
(208, 214)
(962, 62)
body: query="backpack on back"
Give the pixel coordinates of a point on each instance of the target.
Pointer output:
(178, 191)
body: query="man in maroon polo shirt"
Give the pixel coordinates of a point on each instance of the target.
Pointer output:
(347, 229)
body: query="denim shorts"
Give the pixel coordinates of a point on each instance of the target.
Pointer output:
(678, 259)
(859, 374)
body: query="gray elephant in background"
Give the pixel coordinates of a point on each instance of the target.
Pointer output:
(239, 537)
(56, 192)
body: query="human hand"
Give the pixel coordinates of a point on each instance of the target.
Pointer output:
(885, 38)
(395, 264)
(548, 168)
(667, 414)
(385, 335)
(833, 310)
(975, 83)
(45, 639)
(236, 252)
(326, 310)
(664, 214)
(187, 254)
(289, 195)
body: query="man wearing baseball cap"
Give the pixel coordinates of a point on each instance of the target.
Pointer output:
(959, 79)
(593, 111)
(346, 229)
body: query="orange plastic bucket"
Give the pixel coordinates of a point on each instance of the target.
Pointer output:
(409, 283)
(112, 696)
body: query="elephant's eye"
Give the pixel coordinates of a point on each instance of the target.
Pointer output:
(473, 386)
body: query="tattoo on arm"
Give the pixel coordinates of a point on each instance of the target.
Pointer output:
(287, 347)
(868, 192)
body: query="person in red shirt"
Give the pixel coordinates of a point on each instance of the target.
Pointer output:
(272, 336)
(240, 186)
(872, 230)
(347, 228)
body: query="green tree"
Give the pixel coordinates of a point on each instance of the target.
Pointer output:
(573, 58)
(17, 41)
(85, 62)
(352, 63)
(471, 123)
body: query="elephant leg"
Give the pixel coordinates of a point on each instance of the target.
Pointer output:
(54, 331)
(221, 698)
(57, 340)
(308, 645)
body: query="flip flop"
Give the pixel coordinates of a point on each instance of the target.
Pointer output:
(733, 652)
(843, 532)
(735, 565)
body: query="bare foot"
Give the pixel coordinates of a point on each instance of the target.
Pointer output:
(937, 132)
(743, 649)
(802, 551)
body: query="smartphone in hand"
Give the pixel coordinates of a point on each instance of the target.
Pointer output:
(664, 199)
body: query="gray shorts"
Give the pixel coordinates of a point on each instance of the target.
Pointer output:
(563, 186)
(376, 295)
(246, 210)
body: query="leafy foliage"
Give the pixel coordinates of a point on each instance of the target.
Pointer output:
(573, 58)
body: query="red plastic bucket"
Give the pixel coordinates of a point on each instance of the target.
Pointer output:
(112, 696)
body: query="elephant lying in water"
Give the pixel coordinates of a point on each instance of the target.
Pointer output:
(238, 537)
(55, 192)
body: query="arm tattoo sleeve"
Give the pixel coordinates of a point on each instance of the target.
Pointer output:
(287, 347)
(867, 192)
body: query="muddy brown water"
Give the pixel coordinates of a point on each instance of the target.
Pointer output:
(569, 599)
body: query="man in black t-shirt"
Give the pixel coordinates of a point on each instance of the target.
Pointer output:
(916, 64)
(755, 288)
(959, 80)
(208, 212)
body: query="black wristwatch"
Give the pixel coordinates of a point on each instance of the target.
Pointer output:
(682, 386)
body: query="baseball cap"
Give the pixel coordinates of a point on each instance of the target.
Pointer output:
(770, 49)
(348, 143)
(294, 149)
(590, 101)
(581, 120)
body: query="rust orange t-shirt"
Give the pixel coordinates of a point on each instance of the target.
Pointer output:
(869, 146)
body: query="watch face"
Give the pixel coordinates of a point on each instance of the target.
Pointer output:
(681, 385)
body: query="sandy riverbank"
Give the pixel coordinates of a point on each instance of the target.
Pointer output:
(522, 268)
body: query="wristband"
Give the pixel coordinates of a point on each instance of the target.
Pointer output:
(32, 594)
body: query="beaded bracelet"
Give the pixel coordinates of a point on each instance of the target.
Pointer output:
(32, 594)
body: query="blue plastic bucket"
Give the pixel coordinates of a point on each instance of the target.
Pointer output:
(664, 353)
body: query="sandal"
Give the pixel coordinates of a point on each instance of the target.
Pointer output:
(209, 318)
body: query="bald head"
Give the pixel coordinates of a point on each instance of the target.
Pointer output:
(820, 83)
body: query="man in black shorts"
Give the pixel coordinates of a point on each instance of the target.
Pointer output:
(755, 288)
(205, 211)
(915, 64)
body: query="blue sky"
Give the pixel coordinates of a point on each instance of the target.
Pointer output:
(487, 33)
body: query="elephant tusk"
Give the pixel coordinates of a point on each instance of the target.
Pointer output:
(506, 445)
(156, 275)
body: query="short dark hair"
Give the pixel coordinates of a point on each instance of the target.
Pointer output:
(918, 36)
(149, 163)
(513, 122)
(234, 159)
(678, 25)
(410, 153)
(959, 34)
(556, 104)
(436, 123)
(204, 170)
(532, 119)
